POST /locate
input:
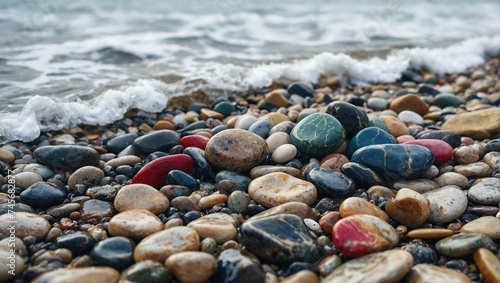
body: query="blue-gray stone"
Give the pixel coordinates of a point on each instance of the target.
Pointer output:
(351, 117)
(43, 194)
(261, 128)
(116, 252)
(178, 177)
(331, 183)
(463, 244)
(369, 136)
(242, 180)
(119, 143)
(363, 176)
(162, 140)
(67, 157)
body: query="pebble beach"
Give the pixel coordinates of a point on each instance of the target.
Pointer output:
(295, 182)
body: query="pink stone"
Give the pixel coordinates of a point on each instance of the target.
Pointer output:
(404, 138)
(362, 234)
(155, 172)
(194, 141)
(442, 151)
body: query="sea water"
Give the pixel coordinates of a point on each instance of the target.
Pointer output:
(64, 63)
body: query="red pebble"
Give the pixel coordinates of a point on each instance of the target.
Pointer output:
(404, 138)
(155, 172)
(194, 141)
(442, 151)
(75, 215)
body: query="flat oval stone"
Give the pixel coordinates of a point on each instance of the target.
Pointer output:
(403, 160)
(446, 204)
(194, 141)
(300, 209)
(279, 239)
(328, 220)
(476, 169)
(375, 121)
(486, 225)
(178, 177)
(162, 140)
(219, 226)
(123, 160)
(388, 266)
(493, 160)
(488, 264)
(238, 202)
(318, 135)
(66, 157)
(430, 233)
(119, 143)
(330, 182)
(356, 205)
(141, 196)
(245, 121)
(95, 210)
(5, 260)
(409, 117)
(395, 126)
(435, 274)
(87, 175)
(27, 224)
(155, 172)
(442, 151)
(160, 245)
(78, 242)
(26, 179)
(411, 102)
(43, 194)
(450, 137)
(275, 140)
(261, 127)
(363, 176)
(240, 179)
(201, 165)
(421, 252)
(63, 210)
(463, 244)
(261, 170)
(236, 266)
(193, 267)
(39, 169)
(277, 188)
(236, 150)
(114, 252)
(417, 185)
(351, 117)
(135, 224)
(147, 271)
(362, 234)
(486, 191)
(408, 208)
(369, 136)
(334, 161)
(452, 178)
(80, 275)
(209, 201)
(284, 153)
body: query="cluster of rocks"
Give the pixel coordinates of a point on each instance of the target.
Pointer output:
(334, 183)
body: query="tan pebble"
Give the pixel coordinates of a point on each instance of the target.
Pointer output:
(164, 125)
(488, 264)
(174, 222)
(62, 255)
(275, 140)
(435, 274)
(26, 179)
(27, 224)
(276, 98)
(185, 204)
(356, 205)
(479, 148)
(211, 200)
(297, 208)
(334, 161)
(293, 115)
(191, 116)
(430, 233)
(328, 264)
(465, 155)
(80, 275)
(284, 153)
(20, 248)
(261, 170)
(276, 118)
(446, 204)
(145, 128)
(135, 224)
(418, 185)
(207, 113)
(124, 160)
(410, 102)
(381, 191)
(192, 267)
(466, 141)
(476, 169)
(408, 208)
(478, 124)
(218, 226)
(87, 175)
(140, 196)
(487, 225)
(395, 126)
(6, 259)
(6, 156)
(493, 160)
(301, 276)
(453, 178)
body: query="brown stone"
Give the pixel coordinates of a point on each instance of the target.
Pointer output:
(488, 264)
(192, 267)
(140, 196)
(164, 125)
(356, 205)
(276, 98)
(124, 160)
(301, 276)
(207, 113)
(219, 226)
(87, 175)
(395, 126)
(487, 225)
(211, 200)
(300, 209)
(478, 124)
(421, 273)
(80, 275)
(430, 233)
(381, 191)
(334, 161)
(27, 224)
(135, 224)
(410, 102)
(327, 221)
(408, 208)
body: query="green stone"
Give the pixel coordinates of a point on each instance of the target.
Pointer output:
(444, 100)
(225, 108)
(304, 113)
(374, 121)
(318, 135)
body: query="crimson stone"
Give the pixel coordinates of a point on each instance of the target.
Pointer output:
(194, 141)
(155, 172)
(441, 150)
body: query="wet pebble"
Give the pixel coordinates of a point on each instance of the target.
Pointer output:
(435, 274)
(219, 226)
(162, 140)
(115, 252)
(488, 264)
(28, 224)
(330, 182)
(235, 266)
(421, 253)
(80, 275)
(67, 157)
(78, 242)
(408, 208)
(463, 244)
(446, 203)
(486, 225)
(486, 191)
(135, 224)
(155, 172)
(453, 178)
(192, 267)
(26, 179)
(356, 205)
(43, 194)
(140, 196)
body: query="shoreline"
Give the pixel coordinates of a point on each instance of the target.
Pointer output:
(95, 178)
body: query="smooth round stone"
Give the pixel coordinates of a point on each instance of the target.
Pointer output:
(39, 169)
(201, 165)
(486, 191)
(430, 233)
(430, 173)
(261, 170)
(80, 275)
(240, 179)
(119, 143)
(417, 185)
(87, 175)
(185, 204)
(318, 135)
(95, 210)
(43, 194)
(6, 156)
(219, 226)
(446, 203)
(26, 179)
(351, 117)
(369, 136)
(463, 244)
(476, 169)
(279, 239)
(66, 157)
(330, 182)
(135, 224)
(442, 151)
(162, 140)
(194, 141)
(465, 155)
(78, 242)
(362, 234)
(285, 127)
(301, 276)
(453, 178)
(147, 271)
(305, 113)
(245, 121)
(411, 102)
(225, 108)
(173, 191)
(140, 196)
(275, 140)
(404, 138)
(435, 274)
(28, 224)
(334, 161)
(408, 208)
(123, 160)
(300, 209)
(381, 191)
(488, 264)
(10, 261)
(355, 205)
(444, 100)
(363, 176)
(409, 117)
(450, 137)
(238, 202)
(284, 153)
(328, 220)
(160, 245)
(261, 127)
(302, 89)
(375, 121)
(212, 200)
(236, 266)
(486, 225)
(421, 252)
(155, 172)
(277, 188)
(192, 267)
(403, 160)
(115, 252)
(236, 150)
(377, 104)
(493, 160)
(328, 264)
(388, 266)
(63, 210)
(395, 126)
(178, 177)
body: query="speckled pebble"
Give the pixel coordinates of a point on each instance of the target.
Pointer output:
(452, 178)
(487, 225)
(219, 226)
(463, 244)
(28, 224)
(446, 203)
(486, 191)
(435, 274)
(140, 196)
(476, 169)
(87, 175)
